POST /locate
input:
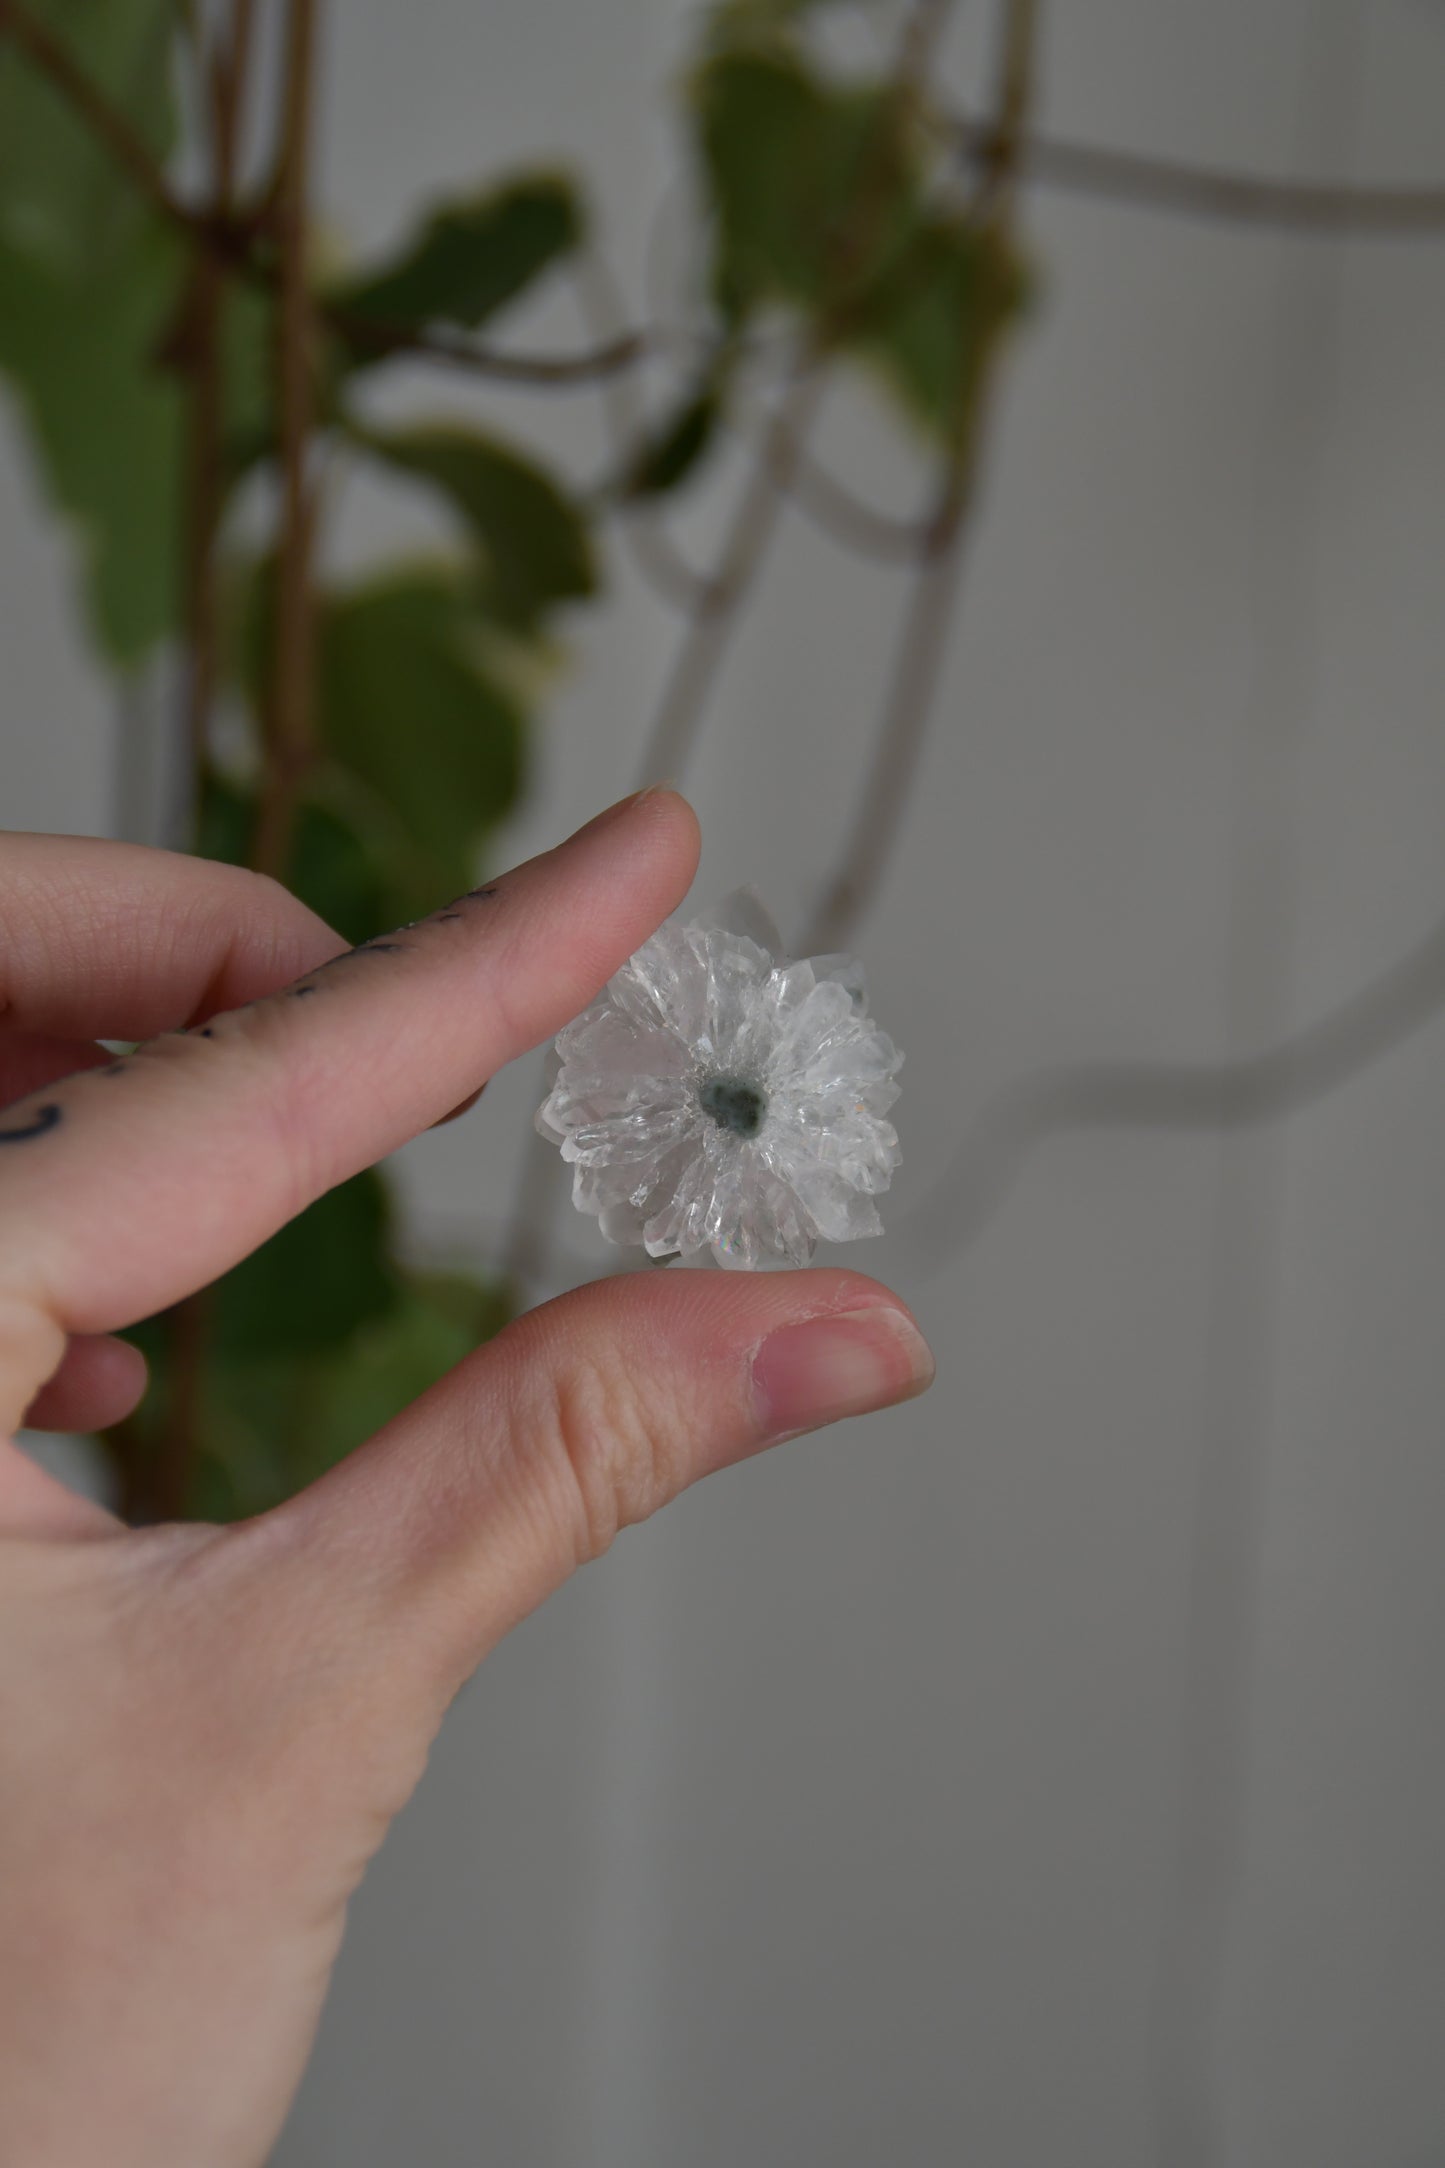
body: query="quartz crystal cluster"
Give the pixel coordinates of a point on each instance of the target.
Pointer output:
(718, 1096)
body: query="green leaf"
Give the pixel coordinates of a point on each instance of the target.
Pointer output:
(249, 316)
(96, 293)
(470, 258)
(225, 822)
(250, 1437)
(107, 424)
(270, 1422)
(479, 1307)
(246, 1418)
(409, 710)
(312, 1285)
(786, 155)
(247, 338)
(820, 199)
(438, 1322)
(673, 451)
(420, 731)
(533, 542)
(95, 298)
(277, 1332)
(330, 867)
(63, 203)
(335, 875)
(933, 320)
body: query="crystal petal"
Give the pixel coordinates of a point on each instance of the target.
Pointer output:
(605, 1045)
(849, 974)
(744, 912)
(664, 984)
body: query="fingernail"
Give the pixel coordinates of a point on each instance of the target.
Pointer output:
(829, 1367)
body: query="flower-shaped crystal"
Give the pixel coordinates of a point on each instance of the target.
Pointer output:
(718, 1096)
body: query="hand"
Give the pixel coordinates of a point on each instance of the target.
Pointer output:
(204, 1732)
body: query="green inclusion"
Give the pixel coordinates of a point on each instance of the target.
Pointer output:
(734, 1104)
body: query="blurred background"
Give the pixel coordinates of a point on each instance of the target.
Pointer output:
(1051, 1772)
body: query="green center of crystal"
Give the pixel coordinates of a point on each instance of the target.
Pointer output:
(734, 1104)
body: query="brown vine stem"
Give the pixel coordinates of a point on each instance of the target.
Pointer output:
(157, 1488)
(228, 78)
(855, 524)
(923, 639)
(717, 601)
(158, 1485)
(922, 646)
(289, 747)
(1212, 192)
(201, 357)
(591, 365)
(224, 84)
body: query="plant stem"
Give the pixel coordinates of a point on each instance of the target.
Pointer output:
(922, 645)
(163, 1493)
(1174, 188)
(204, 498)
(225, 79)
(717, 600)
(228, 75)
(289, 749)
(923, 639)
(657, 557)
(1188, 1097)
(156, 1479)
(855, 524)
(609, 358)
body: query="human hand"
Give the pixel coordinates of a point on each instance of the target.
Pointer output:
(204, 1732)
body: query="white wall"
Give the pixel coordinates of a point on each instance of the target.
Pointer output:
(839, 1816)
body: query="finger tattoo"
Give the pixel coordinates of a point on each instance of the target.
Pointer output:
(43, 1119)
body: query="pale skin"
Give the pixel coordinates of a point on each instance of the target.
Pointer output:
(205, 1732)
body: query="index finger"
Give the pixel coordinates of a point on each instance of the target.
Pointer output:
(126, 1187)
(107, 940)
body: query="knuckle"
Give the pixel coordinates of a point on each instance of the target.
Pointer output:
(619, 1446)
(263, 905)
(244, 915)
(265, 888)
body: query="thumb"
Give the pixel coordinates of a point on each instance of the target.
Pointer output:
(581, 1417)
